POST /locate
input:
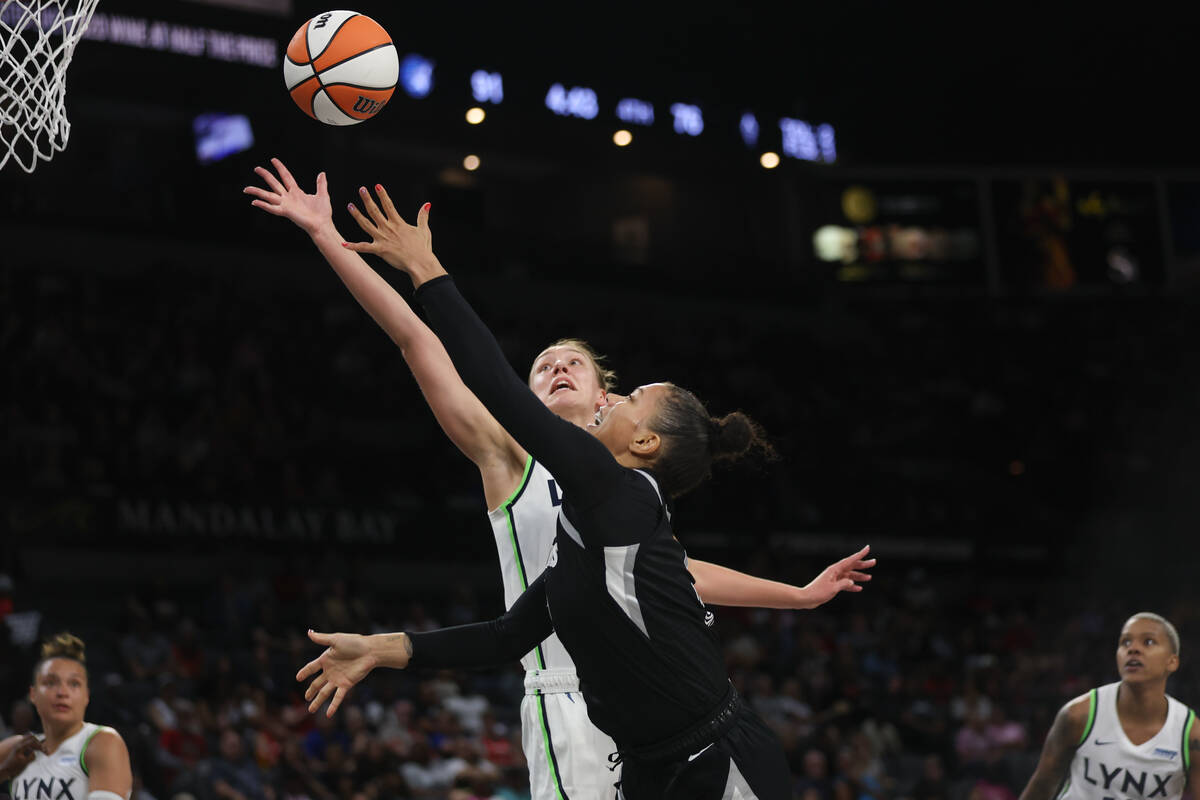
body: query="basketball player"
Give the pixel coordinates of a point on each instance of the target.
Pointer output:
(566, 753)
(616, 588)
(73, 759)
(1127, 740)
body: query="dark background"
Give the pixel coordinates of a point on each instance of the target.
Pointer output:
(190, 395)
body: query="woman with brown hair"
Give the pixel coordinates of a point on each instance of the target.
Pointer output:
(72, 759)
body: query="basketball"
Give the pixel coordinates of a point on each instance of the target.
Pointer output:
(341, 67)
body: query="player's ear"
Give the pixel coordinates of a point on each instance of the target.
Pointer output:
(645, 443)
(1172, 663)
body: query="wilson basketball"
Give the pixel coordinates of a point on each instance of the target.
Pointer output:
(341, 67)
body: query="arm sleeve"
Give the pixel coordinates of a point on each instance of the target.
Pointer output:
(485, 644)
(579, 462)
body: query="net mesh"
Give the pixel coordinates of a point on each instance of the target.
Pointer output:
(37, 40)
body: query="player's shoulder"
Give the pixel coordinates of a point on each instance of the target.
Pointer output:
(1078, 713)
(104, 740)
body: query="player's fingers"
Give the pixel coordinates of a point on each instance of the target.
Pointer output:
(270, 208)
(367, 225)
(389, 207)
(271, 180)
(361, 247)
(336, 701)
(322, 185)
(311, 668)
(423, 217)
(318, 683)
(321, 638)
(284, 174)
(860, 576)
(261, 194)
(321, 697)
(369, 204)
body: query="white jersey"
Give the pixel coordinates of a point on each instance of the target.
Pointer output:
(566, 753)
(1107, 766)
(525, 526)
(61, 775)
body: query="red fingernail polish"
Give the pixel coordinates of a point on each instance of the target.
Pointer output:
(379, 187)
(428, 206)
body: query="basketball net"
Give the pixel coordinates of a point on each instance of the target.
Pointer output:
(37, 40)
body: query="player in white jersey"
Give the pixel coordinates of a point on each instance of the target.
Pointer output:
(72, 759)
(1127, 740)
(566, 753)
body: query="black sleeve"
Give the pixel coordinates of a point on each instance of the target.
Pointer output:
(579, 462)
(486, 644)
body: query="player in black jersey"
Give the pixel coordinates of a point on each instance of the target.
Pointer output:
(617, 591)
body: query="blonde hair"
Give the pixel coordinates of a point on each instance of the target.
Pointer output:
(62, 645)
(606, 377)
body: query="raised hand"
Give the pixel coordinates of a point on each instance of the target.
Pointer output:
(347, 659)
(840, 576)
(405, 247)
(284, 198)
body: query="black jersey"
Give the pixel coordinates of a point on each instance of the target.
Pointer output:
(617, 592)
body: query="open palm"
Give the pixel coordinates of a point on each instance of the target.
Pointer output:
(346, 661)
(285, 198)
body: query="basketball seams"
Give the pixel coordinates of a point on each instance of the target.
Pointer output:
(356, 55)
(333, 35)
(317, 82)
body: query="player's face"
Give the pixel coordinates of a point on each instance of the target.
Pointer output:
(565, 380)
(1144, 652)
(60, 691)
(620, 422)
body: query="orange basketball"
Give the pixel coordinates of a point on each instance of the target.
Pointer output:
(341, 67)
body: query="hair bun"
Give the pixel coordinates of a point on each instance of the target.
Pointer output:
(64, 645)
(731, 435)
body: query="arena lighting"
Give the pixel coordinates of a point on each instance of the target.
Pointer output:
(471, 163)
(487, 87)
(578, 101)
(416, 75)
(688, 119)
(799, 141)
(622, 138)
(748, 125)
(769, 160)
(635, 112)
(476, 115)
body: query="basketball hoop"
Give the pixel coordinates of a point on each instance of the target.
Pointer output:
(37, 40)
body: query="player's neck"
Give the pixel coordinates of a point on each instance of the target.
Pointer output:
(56, 735)
(580, 419)
(1142, 702)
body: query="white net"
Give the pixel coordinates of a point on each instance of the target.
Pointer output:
(37, 40)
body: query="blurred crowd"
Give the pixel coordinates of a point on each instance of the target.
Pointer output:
(982, 421)
(930, 686)
(257, 383)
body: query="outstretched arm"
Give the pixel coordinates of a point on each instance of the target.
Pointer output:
(1055, 762)
(464, 419)
(350, 657)
(721, 586)
(580, 463)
